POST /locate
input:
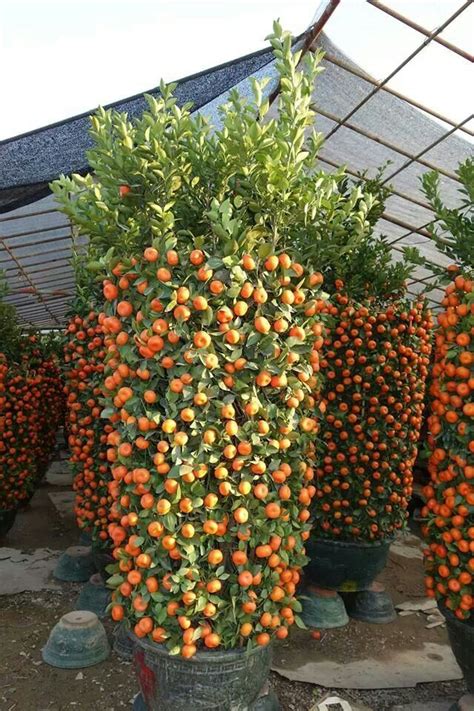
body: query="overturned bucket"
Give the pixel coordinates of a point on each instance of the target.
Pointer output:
(75, 565)
(78, 640)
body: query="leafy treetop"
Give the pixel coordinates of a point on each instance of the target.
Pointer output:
(252, 183)
(452, 230)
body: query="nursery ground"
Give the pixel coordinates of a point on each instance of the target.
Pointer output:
(26, 618)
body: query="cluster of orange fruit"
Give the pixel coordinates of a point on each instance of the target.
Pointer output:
(19, 438)
(449, 511)
(84, 355)
(374, 365)
(210, 382)
(31, 408)
(51, 406)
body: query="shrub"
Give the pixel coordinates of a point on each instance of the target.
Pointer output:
(39, 357)
(374, 364)
(208, 387)
(449, 511)
(20, 440)
(84, 355)
(209, 390)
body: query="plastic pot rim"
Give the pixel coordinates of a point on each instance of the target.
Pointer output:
(451, 617)
(354, 544)
(204, 657)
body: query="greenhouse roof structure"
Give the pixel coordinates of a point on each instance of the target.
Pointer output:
(366, 123)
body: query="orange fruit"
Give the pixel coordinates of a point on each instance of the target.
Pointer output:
(262, 325)
(215, 557)
(245, 579)
(271, 263)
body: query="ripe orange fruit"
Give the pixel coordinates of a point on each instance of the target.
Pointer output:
(200, 303)
(262, 325)
(215, 557)
(188, 650)
(271, 263)
(212, 640)
(239, 557)
(241, 515)
(196, 257)
(248, 262)
(245, 579)
(201, 339)
(273, 510)
(260, 296)
(151, 254)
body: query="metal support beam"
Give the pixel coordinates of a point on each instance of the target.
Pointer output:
(403, 64)
(419, 28)
(328, 57)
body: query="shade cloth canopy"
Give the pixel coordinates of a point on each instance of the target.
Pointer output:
(366, 123)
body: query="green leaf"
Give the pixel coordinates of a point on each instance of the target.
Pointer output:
(115, 580)
(265, 249)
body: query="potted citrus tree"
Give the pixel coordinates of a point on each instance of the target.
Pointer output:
(449, 510)
(374, 363)
(211, 329)
(39, 357)
(83, 361)
(18, 420)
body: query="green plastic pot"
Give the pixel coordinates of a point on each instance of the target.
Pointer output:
(102, 557)
(24, 503)
(7, 519)
(75, 565)
(373, 606)
(123, 644)
(85, 539)
(345, 565)
(323, 610)
(228, 680)
(78, 640)
(94, 596)
(265, 702)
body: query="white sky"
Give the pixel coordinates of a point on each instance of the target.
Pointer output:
(62, 57)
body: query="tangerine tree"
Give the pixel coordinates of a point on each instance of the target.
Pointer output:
(83, 365)
(212, 337)
(449, 510)
(374, 364)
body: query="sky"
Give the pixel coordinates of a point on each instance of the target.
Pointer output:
(63, 57)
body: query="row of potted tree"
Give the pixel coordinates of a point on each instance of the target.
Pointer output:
(31, 410)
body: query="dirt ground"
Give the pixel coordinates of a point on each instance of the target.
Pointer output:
(28, 684)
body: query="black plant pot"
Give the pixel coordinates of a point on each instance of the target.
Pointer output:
(23, 504)
(123, 643)
(102, 557)
(7, 519)
(345, 566)
(211, 681)
(461, 637)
